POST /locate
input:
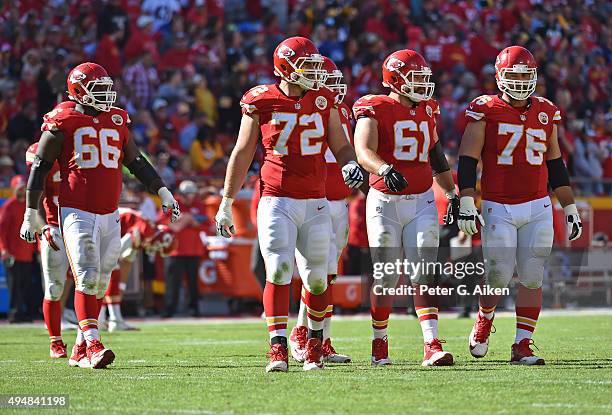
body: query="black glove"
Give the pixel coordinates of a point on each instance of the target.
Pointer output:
(393, 178)
(452, 210)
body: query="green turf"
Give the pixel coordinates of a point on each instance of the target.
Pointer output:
(219, 368)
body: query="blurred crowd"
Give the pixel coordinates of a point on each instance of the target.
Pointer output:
(181, 66)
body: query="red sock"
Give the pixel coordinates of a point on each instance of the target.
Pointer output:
(113, 292)
(316, 308)
(528, 306)
(52, 312)
(276, 308)
(380, 309)
(87, 309)
(487, 304)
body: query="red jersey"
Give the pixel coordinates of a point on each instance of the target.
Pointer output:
(11, 216)
(513, 156)
(294, 138)
(188, 241)
(52, 184)
(91, 158)
(335, 188)
(405, 137)
(131, 220)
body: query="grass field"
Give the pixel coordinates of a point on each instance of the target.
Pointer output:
(204, 368)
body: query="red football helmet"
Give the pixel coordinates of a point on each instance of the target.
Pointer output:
(298, 61)
(334, 79)
(406, 72)
(31, 154)
(163, 241)
(516, 60)
(89, 84)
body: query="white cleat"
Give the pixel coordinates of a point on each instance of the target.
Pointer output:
(523, 355)
(331, 356)
(120, 325)
(313, 357)
(297, 342)
(479, 336)
(78, 358)
(279, 359)
(433, 355)
(99, 356)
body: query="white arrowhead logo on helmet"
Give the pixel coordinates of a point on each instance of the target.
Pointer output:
(77, 76)
(285, 52)
(394, 64)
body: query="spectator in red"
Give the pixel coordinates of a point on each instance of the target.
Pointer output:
(185, 259)
(179, 55)
(142, 39)
(17, 254)
(107, 53)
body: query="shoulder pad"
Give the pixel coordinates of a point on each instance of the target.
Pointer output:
(119, 116)
(368, 105)
(478, 108)
(549, 108)
(253, 101)
(53, 120)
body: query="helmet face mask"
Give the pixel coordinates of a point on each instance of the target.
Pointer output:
(90, 85)
(516, 72)
(417, 86)
(99, 94)
(515, 87)
(407, 74)
(335, 79)
(297, 61)
(307, 72)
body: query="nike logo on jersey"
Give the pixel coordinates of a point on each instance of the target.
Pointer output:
(320, 207)
(546, 205)
(429, 202)
(118, 220)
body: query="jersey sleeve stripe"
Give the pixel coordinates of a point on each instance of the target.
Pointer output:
(248, 107)
(30, 157)
(476, 115)
(557, 116)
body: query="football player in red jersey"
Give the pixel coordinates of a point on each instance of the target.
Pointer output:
(90, 143)
(136, 233)
(397, 142)
(336, 192)
(54, 262)
(515, 136)
(297, 120)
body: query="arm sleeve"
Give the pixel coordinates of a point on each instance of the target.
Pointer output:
(467, 172)
(557, 173)
(437, 159)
